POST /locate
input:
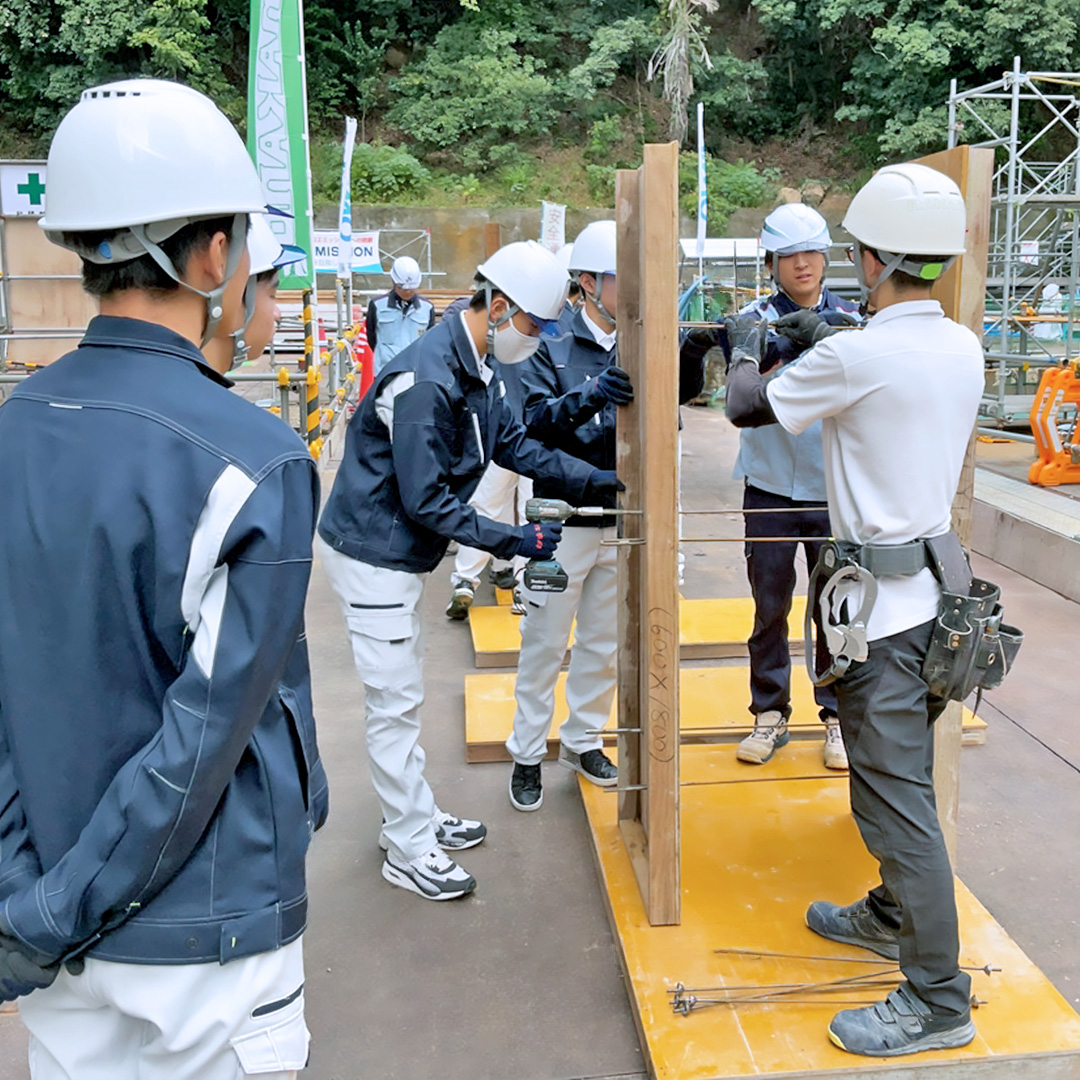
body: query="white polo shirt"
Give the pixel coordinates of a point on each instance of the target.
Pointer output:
(898, 401)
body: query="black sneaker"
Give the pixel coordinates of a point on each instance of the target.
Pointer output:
(594, 765)
(526, 788)
(855, 924)
(502, 579)
(901, 1024)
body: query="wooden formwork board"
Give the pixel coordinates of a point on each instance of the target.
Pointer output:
(708, 630)
(754, 856)
(713, 708)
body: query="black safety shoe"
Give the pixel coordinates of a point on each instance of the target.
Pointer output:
(526, 788)
(855, 924)
(502, 579)
(901, 1024)
(594, 765)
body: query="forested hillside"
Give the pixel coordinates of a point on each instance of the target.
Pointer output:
(511, 100)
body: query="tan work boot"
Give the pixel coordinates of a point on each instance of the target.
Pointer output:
(769, 734)
(835, 753)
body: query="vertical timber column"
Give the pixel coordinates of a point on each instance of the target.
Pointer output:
(647, 216)
(962, 293)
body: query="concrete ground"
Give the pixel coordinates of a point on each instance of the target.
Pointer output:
(521, 980)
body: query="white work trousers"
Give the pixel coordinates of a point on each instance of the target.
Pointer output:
(382, 615)
(501, 496)
(591, 595)
(172, 1022)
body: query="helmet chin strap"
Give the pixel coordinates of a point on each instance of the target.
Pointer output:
(240, 349)
(928, 272)
(493, 324)
(596, 299)
(214, 298)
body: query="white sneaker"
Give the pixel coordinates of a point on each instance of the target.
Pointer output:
(835, 753)
(457, 834)
(769, 734)
(434, 876)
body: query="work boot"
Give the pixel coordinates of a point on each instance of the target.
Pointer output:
(526, 788)
(502, 579)
(855, 924)
(834, 753)
(461, 601)
(457, 834)
(901, 1024)
(434, 876)
(594, 765)
(769, 734)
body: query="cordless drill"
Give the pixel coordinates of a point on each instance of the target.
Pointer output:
(546, 575)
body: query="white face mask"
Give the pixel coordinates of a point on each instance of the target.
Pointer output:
(511, 346)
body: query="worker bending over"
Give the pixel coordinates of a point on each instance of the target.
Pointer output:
(414, 453)
(898, 401)
(572, 387)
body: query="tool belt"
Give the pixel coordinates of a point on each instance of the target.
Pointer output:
(970, 648)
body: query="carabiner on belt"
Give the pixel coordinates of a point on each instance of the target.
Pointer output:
(845, 641)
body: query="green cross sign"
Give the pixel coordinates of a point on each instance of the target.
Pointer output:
(33, 188)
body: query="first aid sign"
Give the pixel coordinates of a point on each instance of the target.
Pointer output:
(22, 189)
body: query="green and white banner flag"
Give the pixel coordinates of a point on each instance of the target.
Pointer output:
(278, 126)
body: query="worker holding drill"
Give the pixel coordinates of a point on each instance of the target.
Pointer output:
(414, 453)
(572, 389)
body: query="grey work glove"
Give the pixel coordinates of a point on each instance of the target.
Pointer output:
(22, 969)
(807, 328)
(746, 335)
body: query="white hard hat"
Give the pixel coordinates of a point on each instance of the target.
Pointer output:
(145, 152)
(594, 249)
(795, 227)
(564, 255)
(405, 272)
(266, 250)
(909, 209)
(530, 276)
(1051, 290)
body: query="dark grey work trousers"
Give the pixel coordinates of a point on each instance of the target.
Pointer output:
(887, 719)
(770, 566)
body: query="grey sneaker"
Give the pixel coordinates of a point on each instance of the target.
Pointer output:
(434, 876)
(855, 924)
(594, 765)
(461, 601)
(834, 753)
(457, 834)
(502, 579)
(769, 734)
(901, 1024)
(518, 605)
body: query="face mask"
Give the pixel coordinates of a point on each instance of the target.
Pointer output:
(511, 346)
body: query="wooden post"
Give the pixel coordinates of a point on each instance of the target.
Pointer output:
(962, 293)
(647, 459)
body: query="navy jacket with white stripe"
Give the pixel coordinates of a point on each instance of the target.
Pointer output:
(400, 497)
(159, 776)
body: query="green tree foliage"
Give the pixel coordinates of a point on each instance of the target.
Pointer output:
(731, 185)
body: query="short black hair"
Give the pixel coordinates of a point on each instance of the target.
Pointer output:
(479, 299)
(143, 273)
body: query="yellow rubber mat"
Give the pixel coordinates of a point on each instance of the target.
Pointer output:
(713, 707)
(708, 629)
(754, 855)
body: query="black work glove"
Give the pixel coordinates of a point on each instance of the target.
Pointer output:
(704, 338)
(807, 328)
(539, 541)
(746, 337)
(602, 484)
(22, 969)
(612, 384)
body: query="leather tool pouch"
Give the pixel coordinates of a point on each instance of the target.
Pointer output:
(970, 648)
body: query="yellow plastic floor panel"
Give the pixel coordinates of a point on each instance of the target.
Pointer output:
(754, 855)
(708, 630)
(713, 707)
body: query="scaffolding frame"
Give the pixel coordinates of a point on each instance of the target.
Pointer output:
(1034, 226)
